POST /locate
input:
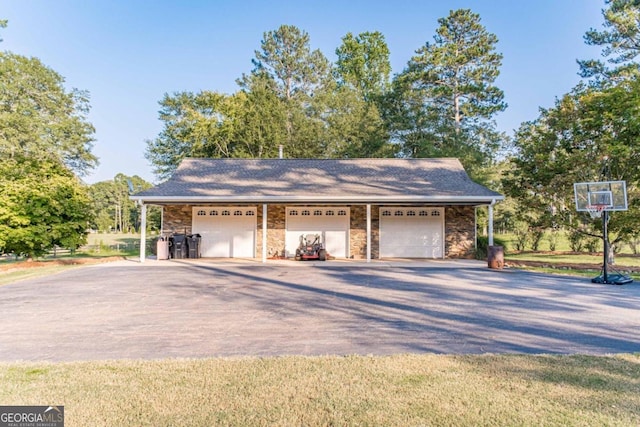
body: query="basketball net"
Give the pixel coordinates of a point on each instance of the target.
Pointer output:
(595, 211)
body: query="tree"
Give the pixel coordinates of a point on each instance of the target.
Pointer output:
(298, 74)
(568, 144)
(444, 101)
(620, 42)
(353, 127)
(363, 63)
(287, 58)
(114, 210)
(39, 119)
(356, 126)
(249, 123)
(43, 205)
(44, 139)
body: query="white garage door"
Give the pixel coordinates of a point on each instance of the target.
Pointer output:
(227, 232)
(330, 222)
(411, 232)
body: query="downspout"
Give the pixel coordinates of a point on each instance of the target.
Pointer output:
(493, 202)
(143, 232)
(475, 228)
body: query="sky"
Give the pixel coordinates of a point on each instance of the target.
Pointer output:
(128, 53)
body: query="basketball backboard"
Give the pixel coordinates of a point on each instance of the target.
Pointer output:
(605, 195)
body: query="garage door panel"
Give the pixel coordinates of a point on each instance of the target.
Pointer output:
(411, 232)
(330, 222)
(227, 232)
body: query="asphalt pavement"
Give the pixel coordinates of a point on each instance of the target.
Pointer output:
(228, 308)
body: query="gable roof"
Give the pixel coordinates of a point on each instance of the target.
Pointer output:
(439, 180)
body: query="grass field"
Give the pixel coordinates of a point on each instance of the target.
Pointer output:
(402, 390)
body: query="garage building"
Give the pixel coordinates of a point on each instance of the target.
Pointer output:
(363, 208)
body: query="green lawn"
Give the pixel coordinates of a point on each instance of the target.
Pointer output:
(562, 244)
(595, 259)
(402, 390)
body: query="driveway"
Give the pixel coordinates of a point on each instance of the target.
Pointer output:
(200, 308)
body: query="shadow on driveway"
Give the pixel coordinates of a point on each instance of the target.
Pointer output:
(202, 309)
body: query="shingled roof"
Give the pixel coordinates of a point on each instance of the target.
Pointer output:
(441, 181)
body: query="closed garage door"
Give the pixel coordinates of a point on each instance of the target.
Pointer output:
(227, 232)
(411, 232)
(330, 222)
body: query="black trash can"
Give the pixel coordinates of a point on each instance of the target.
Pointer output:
(178, 246)
(193, 245)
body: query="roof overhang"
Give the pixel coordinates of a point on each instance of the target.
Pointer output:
(293, 199)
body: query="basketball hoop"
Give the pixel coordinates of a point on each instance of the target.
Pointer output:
(595, 211)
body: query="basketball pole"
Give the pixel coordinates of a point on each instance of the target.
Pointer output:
(606, 175)
(605, 239)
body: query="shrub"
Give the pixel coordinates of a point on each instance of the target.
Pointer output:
(522, 238)
(592, 244)
(553, 238)
(576, 241)
(536, 238)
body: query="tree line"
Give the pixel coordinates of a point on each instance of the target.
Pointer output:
(442, 104)
(590, 134)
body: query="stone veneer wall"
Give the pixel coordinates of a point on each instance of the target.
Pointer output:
(177, 219)
(276, 231)
(358, 232)
(459, 229)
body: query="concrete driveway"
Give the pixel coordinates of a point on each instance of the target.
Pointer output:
(201, 308)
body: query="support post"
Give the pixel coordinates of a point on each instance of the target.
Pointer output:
(475, 228)
(369, 233)
(491, 222)
(143, 232)
(264, 233)
(161, 221)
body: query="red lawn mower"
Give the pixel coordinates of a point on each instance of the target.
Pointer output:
(311, 247)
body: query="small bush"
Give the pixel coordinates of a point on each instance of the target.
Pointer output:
(553, 238)
(536, 238)
(522, 238)
(593, 244)
(576, 241)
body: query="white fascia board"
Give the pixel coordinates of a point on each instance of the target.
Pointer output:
(319, 199)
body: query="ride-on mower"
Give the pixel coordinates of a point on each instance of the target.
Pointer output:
(311, 248)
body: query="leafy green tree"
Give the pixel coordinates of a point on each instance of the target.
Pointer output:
(356, 127)
(286, 57)
(298, 74)
(587, 131)
(262, 119)
(39, 118)
(363, 63)
(249, 123)
(113, 209)
(620, 42)
(444, 101)
(44, 138)
(43, 205)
